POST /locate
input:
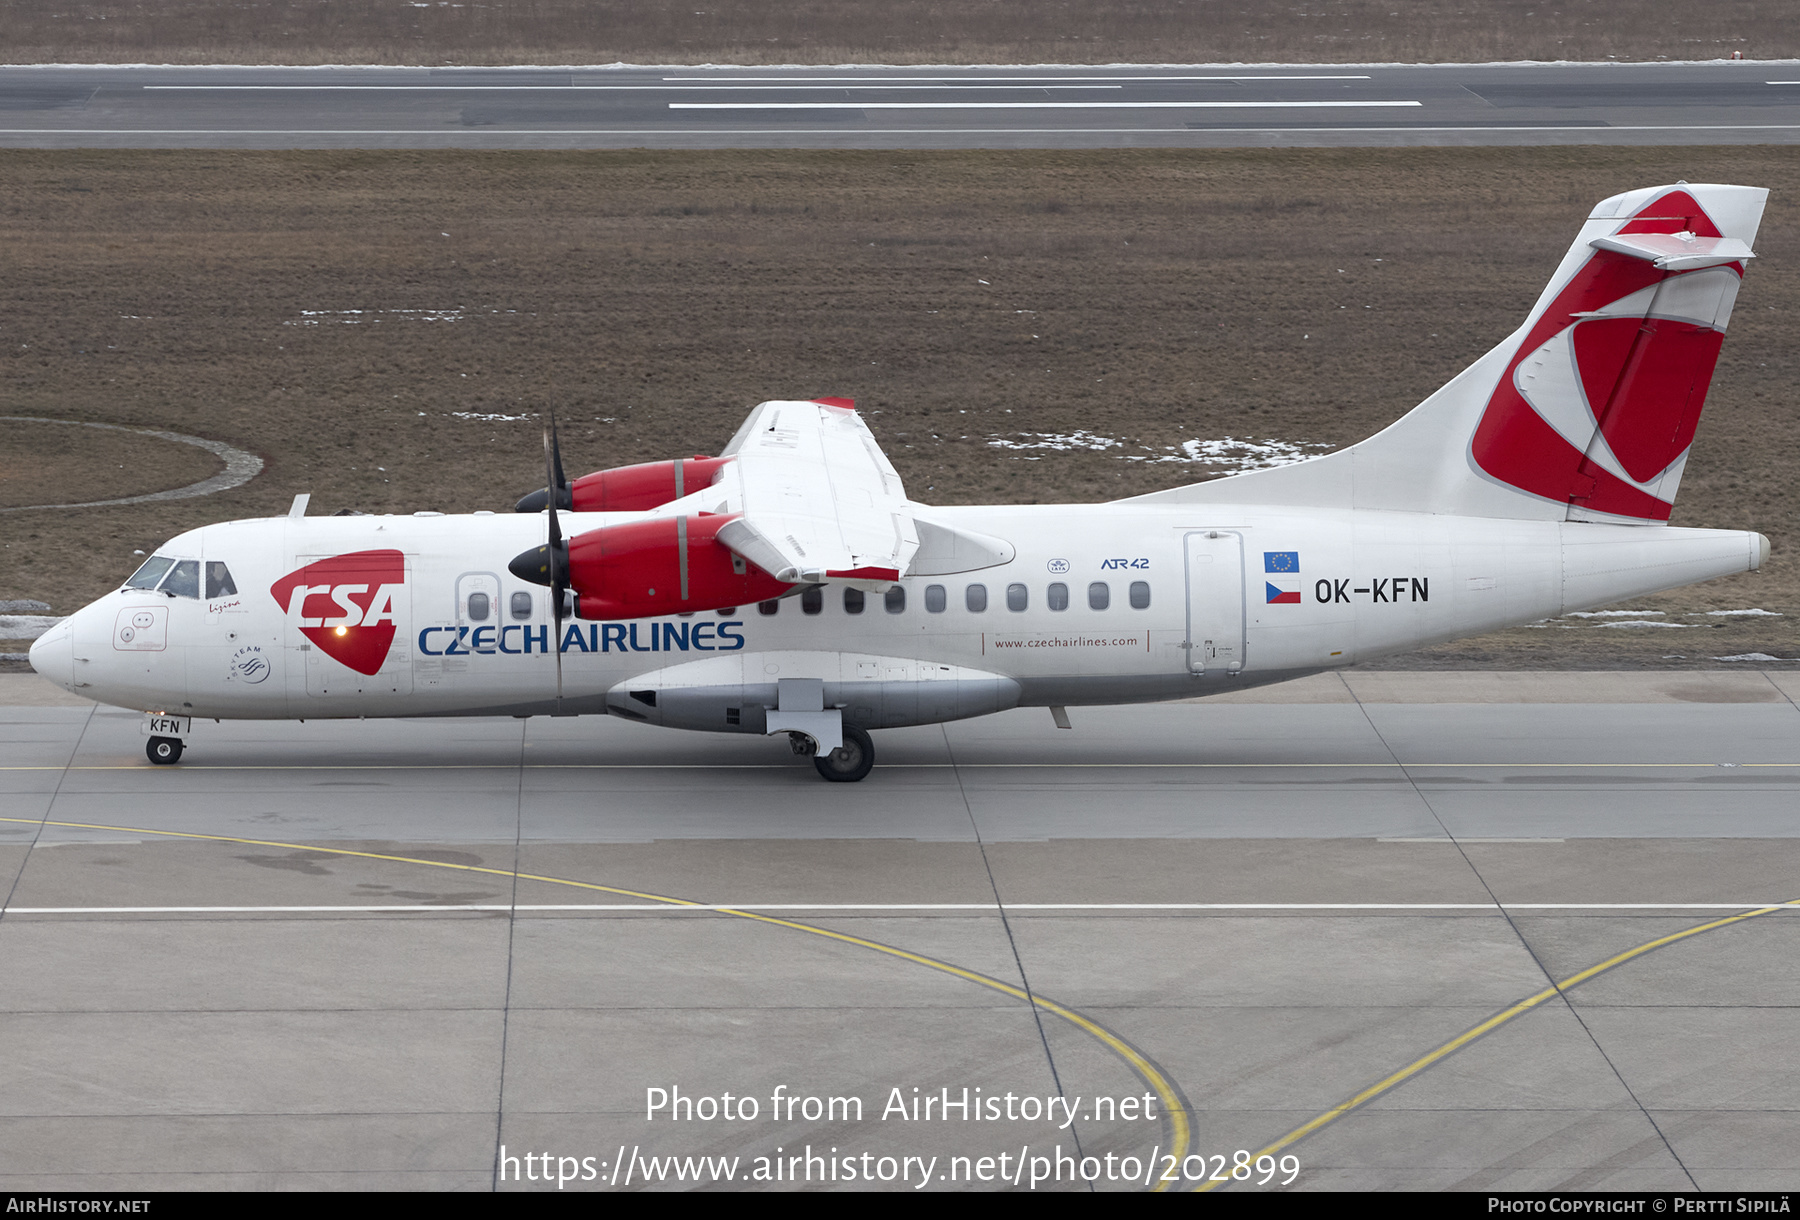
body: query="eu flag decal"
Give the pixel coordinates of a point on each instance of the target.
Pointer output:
(1281, 564)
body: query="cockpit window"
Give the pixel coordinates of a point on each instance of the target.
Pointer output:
(218, 580)
(153, 570)
(183, 580)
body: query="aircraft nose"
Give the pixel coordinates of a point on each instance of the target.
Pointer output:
(53, 655)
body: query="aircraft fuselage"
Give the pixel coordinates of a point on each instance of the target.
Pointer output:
(1100, 603)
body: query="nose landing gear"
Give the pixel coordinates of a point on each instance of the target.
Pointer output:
(163, 750)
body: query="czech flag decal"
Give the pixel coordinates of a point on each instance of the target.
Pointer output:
(1281, 564)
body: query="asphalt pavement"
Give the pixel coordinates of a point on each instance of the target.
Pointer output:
(1538, 924)
(1021, 107)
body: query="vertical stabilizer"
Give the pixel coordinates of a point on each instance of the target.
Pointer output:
(1586, 412)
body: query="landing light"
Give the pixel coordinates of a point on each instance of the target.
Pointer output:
(342, 630)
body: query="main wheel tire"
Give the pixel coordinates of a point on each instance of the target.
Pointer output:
(850, 761)
(163, 750)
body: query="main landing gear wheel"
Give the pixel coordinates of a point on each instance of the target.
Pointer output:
(850, 761)
(163, 750)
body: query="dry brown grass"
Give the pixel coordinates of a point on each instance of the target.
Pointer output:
(651, 298)
(889, 31)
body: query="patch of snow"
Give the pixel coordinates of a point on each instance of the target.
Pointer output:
(1745, 613)
(488, 418)
(26, 626)
(1614, 613)
(356, 317)
(1237, 453)
(1231, 452)
(1648, 623)
(1078, 439)
(1755, 656)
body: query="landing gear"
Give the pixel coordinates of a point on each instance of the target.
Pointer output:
(163, 750)
(849, 762)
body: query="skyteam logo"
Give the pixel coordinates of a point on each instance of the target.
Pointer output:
(1281, 580)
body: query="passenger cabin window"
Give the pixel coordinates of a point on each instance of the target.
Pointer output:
(184, 580)
(1099, 596)
(1057, 596)
(853, 601)
(975, 598)
(521, 605)
(934, 599)
(768, 607)
(151, 573)
(726, 611)
(895, 599)
(218, 580)
(478, 607)
(812, 600)
(1017, 597)
(1140, 595)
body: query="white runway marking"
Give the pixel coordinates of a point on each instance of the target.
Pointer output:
(743, 82)
(712, 88)
(688, 132)
(988, 79)
(886, 907)
(1189, 105)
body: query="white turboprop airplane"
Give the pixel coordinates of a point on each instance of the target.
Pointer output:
(789, 585)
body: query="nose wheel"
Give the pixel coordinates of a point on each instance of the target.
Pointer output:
(850, 761)
(163, 750)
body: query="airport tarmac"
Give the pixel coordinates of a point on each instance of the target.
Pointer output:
(1532, 925)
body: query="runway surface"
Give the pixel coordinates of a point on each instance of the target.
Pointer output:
(1046, 107)
(1541, 943)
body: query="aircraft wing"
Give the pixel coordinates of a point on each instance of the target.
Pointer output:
(820, 501)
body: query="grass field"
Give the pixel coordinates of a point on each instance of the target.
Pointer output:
(434, 32)
(386, 329)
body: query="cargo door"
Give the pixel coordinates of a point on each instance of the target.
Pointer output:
(354, 628)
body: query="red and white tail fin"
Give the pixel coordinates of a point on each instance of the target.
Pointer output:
(1584, 413)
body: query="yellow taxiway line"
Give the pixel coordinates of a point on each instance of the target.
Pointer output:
(1173, 1105)
(1518, 1008)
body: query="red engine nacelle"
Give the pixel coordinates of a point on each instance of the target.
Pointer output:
(630, 489)
(675, 565)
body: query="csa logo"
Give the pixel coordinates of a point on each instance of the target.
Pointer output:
(346, 605)
(249, 665)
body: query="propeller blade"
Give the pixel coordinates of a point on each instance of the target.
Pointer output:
(556, 493)
(559, 563)
(561, 481)
(556, 605)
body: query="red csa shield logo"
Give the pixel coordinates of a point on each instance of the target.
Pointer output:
(345, 605)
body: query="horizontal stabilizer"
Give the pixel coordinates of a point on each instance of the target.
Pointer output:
(1677, 251)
